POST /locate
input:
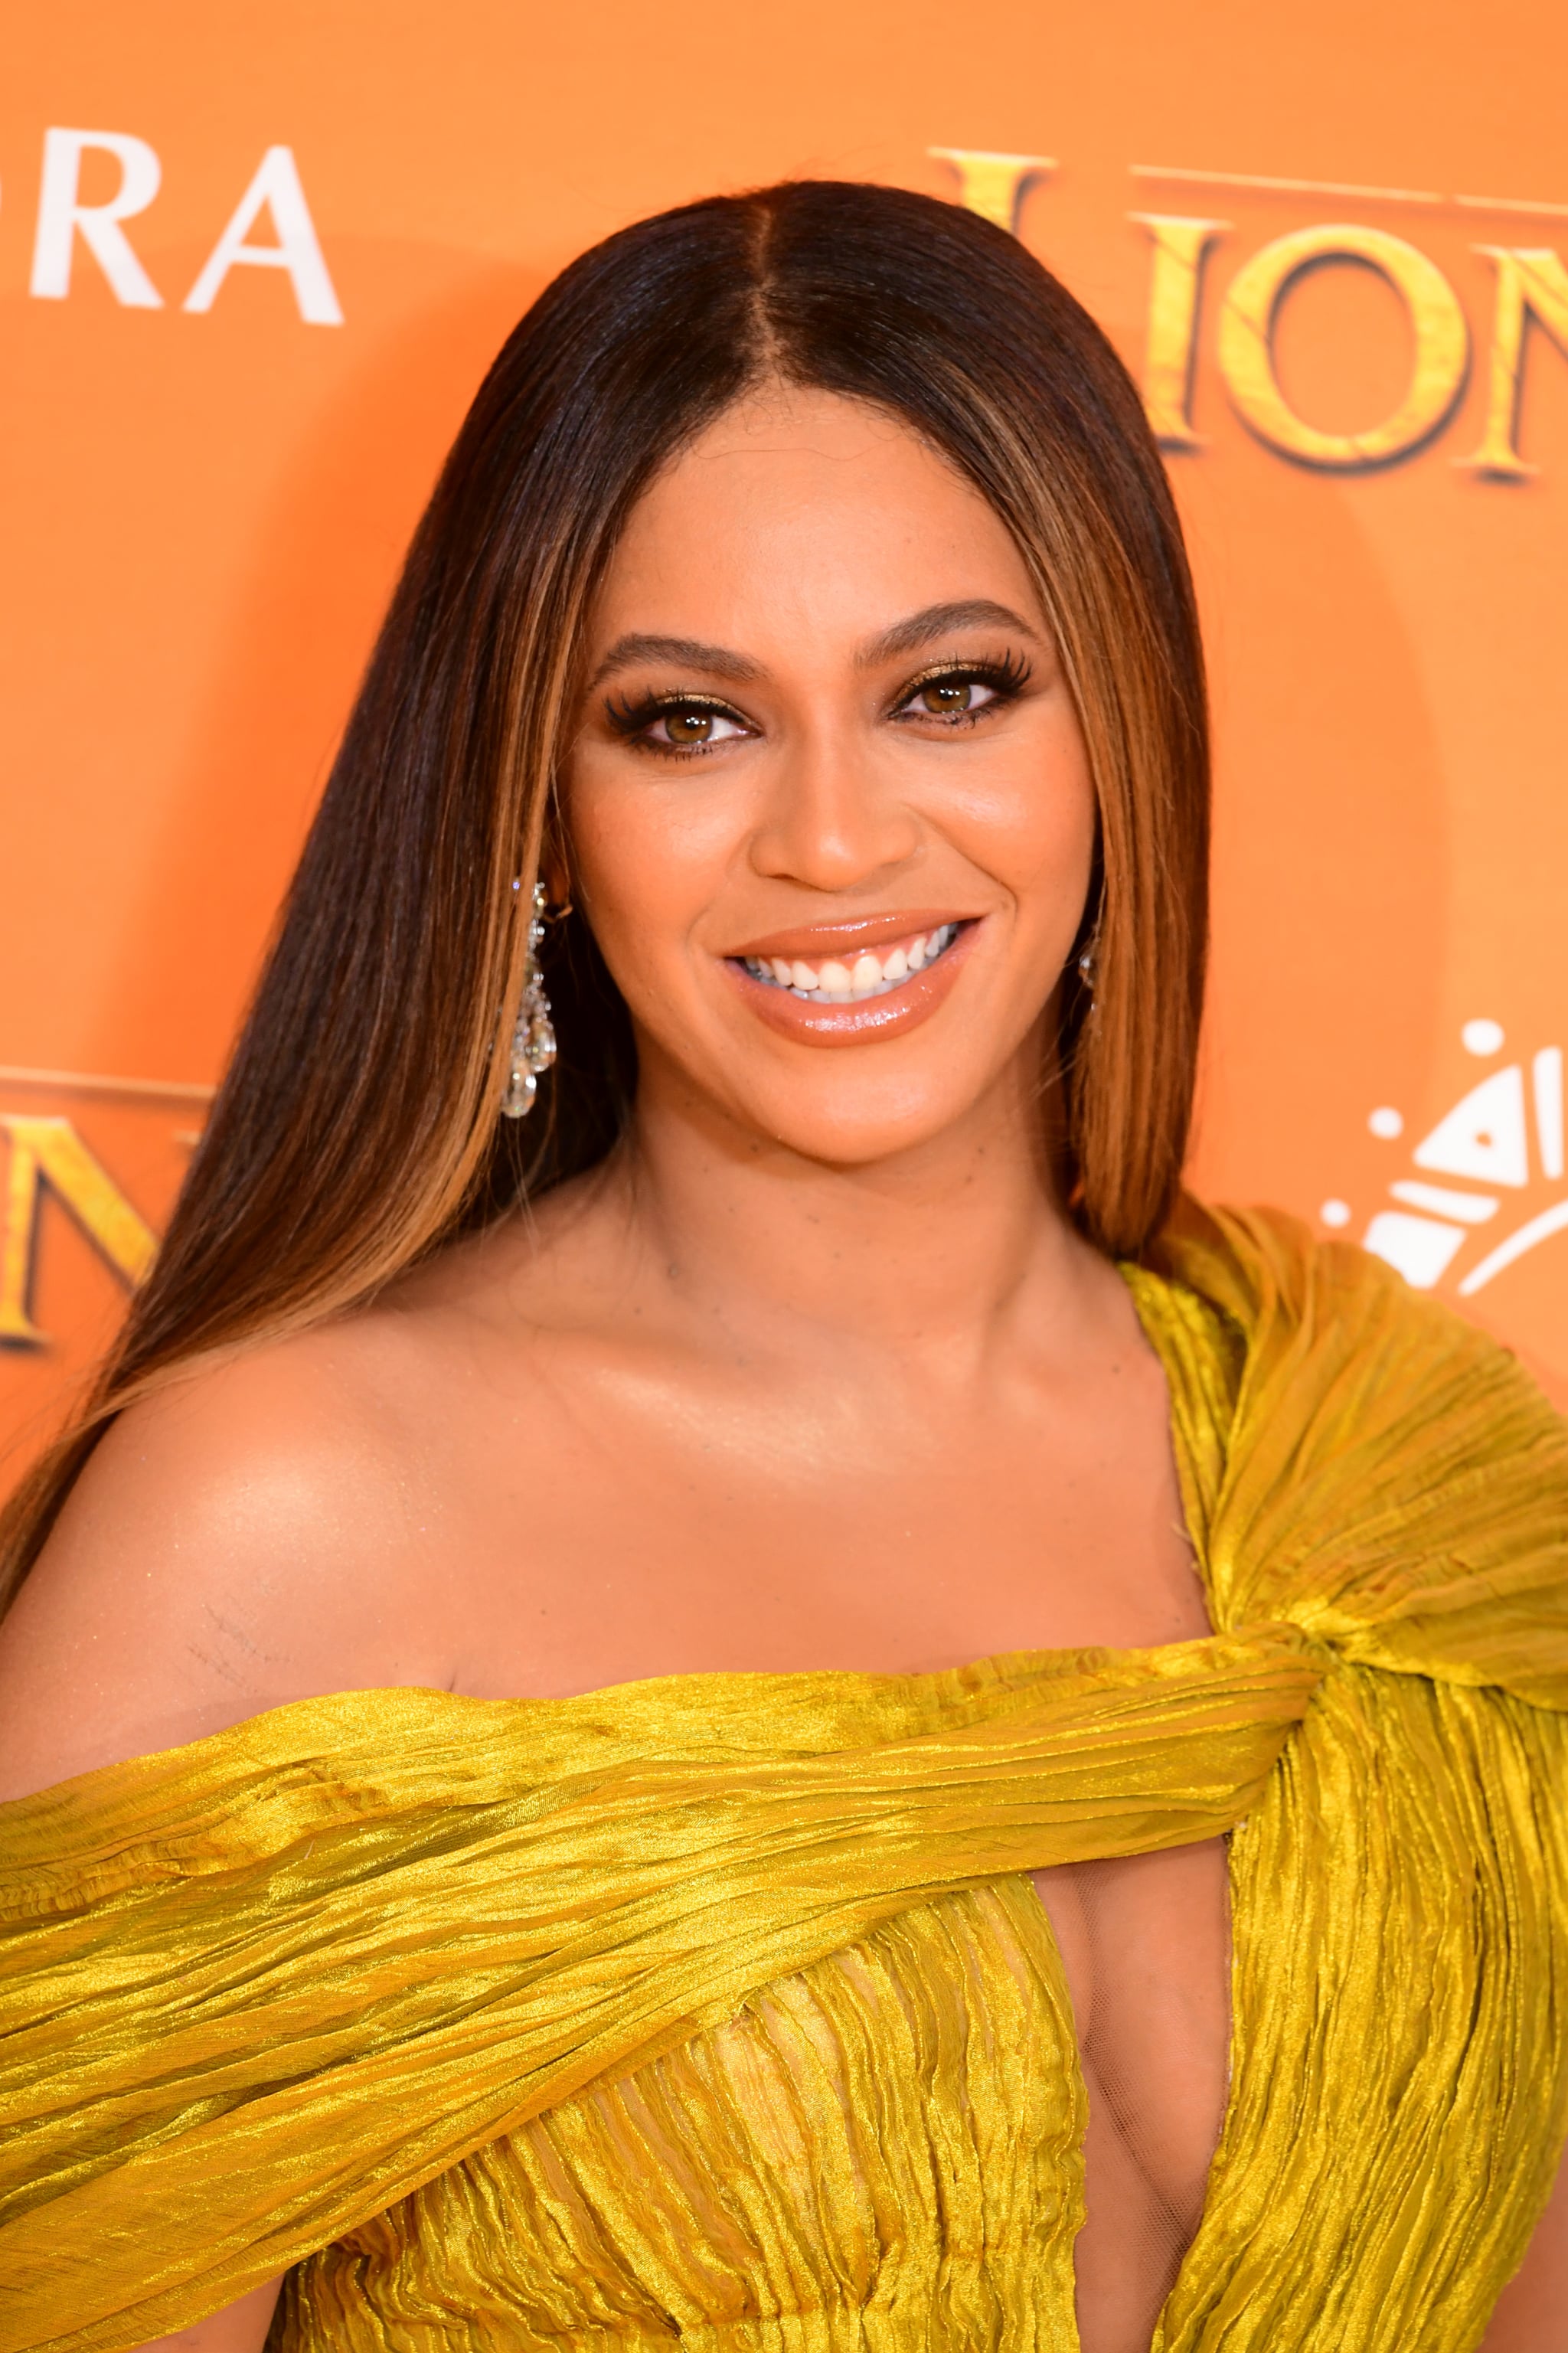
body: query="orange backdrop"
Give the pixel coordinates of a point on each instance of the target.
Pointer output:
(253, 262)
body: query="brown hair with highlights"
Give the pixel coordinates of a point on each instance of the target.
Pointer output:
(356, 1129)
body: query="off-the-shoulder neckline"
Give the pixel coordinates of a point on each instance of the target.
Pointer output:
(691, 1689)
(795, 1712)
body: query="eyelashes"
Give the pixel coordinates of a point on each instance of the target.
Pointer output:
(685, 725)
(1003, 678)
(702, 720)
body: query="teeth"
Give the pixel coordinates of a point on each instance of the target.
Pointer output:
(836, 983)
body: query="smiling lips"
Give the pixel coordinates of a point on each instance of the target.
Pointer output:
(861, 990)
(851, 979)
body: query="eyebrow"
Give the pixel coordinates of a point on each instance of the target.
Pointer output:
(904, 636)
(719, 661)
(970, 613)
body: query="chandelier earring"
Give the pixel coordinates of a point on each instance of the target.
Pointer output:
(534, 1036)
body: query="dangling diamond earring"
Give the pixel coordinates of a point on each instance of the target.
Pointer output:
(534, 1038)
(1086, 969)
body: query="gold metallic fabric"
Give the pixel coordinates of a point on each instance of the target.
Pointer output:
(717, 2007)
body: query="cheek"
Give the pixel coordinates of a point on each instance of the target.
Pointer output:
(1031, 823)
(646, 854)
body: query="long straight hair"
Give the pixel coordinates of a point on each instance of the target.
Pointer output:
(357, 1128)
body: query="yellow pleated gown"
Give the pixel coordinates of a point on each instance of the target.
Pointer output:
(718, 2008)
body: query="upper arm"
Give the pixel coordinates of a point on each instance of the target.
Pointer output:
(1532, 2315)
(238, 2329)
(234, 1542)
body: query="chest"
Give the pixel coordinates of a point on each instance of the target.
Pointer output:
(634, 1533)
(897, 2147)
(900, 2133)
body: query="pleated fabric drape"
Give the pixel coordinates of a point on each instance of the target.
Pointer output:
(716, 2006)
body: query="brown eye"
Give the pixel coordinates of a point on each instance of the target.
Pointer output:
(663, 727)
(944, 696)
(962, 694)
(691, 726)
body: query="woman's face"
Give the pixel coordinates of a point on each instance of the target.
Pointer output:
(828, 807)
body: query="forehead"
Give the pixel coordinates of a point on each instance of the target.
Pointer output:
(804, 512)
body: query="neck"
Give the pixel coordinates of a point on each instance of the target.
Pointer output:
(928, 1253)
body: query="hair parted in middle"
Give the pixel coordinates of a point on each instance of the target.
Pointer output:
(357, 1127)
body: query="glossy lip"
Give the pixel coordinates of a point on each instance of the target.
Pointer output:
(815, 941)
(904, 1007)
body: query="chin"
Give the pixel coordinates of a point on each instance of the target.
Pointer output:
(861, 1134)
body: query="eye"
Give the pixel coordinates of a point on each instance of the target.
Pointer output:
(957, 695)
(679, 726)
(692, 724)
(682, 726)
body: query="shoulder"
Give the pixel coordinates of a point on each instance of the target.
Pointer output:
(311, 1515)
(246, 1537)
(1387, 1475)
(1287, 1301)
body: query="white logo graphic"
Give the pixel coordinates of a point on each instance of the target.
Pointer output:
(1505, 1132)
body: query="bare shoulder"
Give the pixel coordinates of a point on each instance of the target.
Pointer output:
(249, 1535)
(327, 1513)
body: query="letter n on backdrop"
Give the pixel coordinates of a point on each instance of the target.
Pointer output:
(49, 1152)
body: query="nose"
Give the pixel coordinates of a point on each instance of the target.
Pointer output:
(830, 822)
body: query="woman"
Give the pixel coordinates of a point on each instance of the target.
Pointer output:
(508, 1836)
